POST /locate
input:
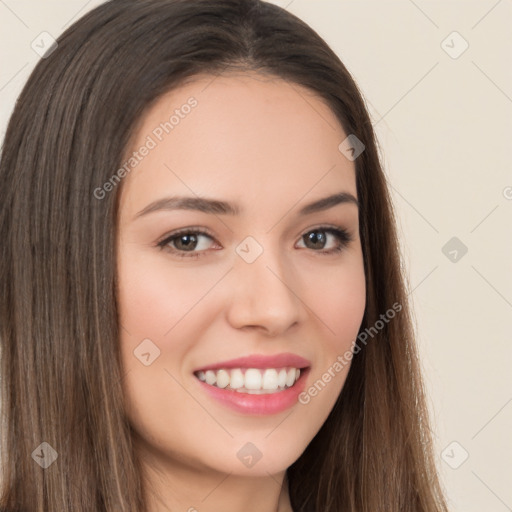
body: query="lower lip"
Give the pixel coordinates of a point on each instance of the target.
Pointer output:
(246, 403)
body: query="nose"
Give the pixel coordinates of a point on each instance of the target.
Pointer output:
(266, 295)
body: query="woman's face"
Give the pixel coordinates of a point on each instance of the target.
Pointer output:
(264, 283)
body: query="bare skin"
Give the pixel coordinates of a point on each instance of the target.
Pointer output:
(270, 148)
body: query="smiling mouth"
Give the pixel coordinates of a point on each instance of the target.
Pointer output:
(255, 381)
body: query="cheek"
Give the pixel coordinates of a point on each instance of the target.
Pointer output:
(152, 301)
(339, 303)
(153, 297)
(156, 303)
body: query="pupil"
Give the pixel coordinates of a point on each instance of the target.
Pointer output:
(190, 240)
(315, 238)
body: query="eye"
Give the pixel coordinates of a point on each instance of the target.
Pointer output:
(183, 243)
(313, 238)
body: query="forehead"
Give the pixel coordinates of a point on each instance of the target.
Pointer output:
(239, 136)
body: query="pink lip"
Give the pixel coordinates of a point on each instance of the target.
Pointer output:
(260, 361)
(258, 404)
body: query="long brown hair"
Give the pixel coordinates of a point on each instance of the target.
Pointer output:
(61, 375)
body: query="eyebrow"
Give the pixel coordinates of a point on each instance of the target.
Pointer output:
(215, 206)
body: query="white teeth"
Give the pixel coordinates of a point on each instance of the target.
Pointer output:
(270, 379)
(290, 378)
(281, 380)
(210, 376)
(222, 378)
(251, 380)
(237, 379)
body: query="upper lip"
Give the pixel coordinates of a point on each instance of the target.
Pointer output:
(260, 361)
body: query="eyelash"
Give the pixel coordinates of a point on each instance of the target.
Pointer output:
(342, 234)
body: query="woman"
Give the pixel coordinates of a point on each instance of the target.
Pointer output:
(272, 369)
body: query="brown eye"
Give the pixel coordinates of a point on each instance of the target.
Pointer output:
(185, 242)
(316, 239)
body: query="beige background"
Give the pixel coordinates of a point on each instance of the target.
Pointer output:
(445, 127)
